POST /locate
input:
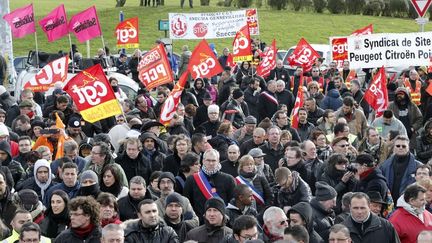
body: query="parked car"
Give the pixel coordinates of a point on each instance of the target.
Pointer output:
(20, 63)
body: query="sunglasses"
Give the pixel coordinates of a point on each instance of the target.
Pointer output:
(283, 222)
(401, 146)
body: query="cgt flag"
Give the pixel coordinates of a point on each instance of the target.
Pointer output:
(154, 68)
(304, 55)
(54, 71)
(203, 63)
(170, 105)
(127, 33)
(242, 50)
(376, 95)
(93, 95)
(368, 30)
(21, 21)
(298, 103)
(268, 61)
(55, 24)
(85, 25)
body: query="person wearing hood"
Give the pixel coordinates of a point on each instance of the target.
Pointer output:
(411, 217)
(371, 177)
(408, 113)
(27, 199)
(332, 100)
(6, 100)
(399, 168)
(322, 206)
(301, 214)
(236, 109)
(214, 230)
(365, 226)
(15, 167)
(290, 189)
(242, 72)
(89, 184)
(151, 150)
(424, 143)
(241, 204)
(70, 183)
(199, 90)
(57, 217)
(41, 181)
(174, 214)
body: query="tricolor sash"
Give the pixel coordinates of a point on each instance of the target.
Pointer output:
(256, 194)
(204, 185)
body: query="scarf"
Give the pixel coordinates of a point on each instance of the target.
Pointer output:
(92, 190)
(61, 218)
(211, 172)
(248, 175)
(114, 189)
(113, 220)
(294, 183)
(366, 173)
(272, 237)
(83, 233)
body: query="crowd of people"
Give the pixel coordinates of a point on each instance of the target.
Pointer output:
(228, 167)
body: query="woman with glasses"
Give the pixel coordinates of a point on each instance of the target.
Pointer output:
(323, 149)
(56, 216)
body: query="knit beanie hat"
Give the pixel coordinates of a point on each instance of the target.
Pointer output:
(216, 203)
(89, 175)
(237, 93)
(168, 175)
(3, 130)
(324, 191)
(175, 198)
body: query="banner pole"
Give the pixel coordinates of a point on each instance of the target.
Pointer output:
(37, 51)
(72, 54)
(88, 48)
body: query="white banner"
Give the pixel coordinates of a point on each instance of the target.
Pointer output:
(390, 50)
(212, 25)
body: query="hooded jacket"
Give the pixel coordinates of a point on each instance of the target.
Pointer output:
(305, 211)
(332, 100)
(15, 167)
(322, 220)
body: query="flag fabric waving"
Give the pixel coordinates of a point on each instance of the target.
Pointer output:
(127, 33)
(54, 71)
(363, 31)
(154, 68)
(93, 95)
(268, 61)
(85, 25)
(203, 63)
(376, 95)
(21, 21)
(170, 105)
(298, 103)
(304, 55)
(242, 50)
(55, 24)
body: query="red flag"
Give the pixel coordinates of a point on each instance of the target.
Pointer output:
(128, 34)
(154, 68)
(93, 95)
(54, 71)
(85, 25)
(230, 62)
(170, 105)
(364, 31)
(21, 21)
(242, 50)
(304, 55)
(376, 95)
(298, 103)
(55, 24)
(203, 62)
(268, 61)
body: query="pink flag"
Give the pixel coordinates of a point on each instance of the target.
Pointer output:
(21, 21)
(85, 25)
(55, 24)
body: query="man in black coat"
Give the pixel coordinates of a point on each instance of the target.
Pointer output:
(251, 96)
(267, 102)
(284, 96)
(7, 207)
(128, 205)
(371, 177)
(322, 206)
(227, 85)
(220, 183)
(230, 165)
(133, 161)
(201, 112)
(301, 214)
(273, 148)
(279, 73)
(258, 137)
(211, 126)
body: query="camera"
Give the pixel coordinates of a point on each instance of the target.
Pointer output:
(352, 168)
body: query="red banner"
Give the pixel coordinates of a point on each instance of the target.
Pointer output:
(376, 95)
(298, 103)
(127, 33)
(304, 55)
(203, 62)
(268, 61)
(368, 30)
(93, 95)
(242, 50)
(154, 68)
(54, 71)
(170, 105)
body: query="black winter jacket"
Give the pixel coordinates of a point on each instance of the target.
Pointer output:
(379, 230)
(135, 232)
(305, 211)
(300, 193)
(15, 167)
(133, 167)
(322, 220)
(70, 236)
(375, 181)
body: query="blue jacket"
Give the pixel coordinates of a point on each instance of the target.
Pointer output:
(71, 191)
(407, 179)
(332, 100)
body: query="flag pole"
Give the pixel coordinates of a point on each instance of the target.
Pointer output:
(72, 54)
(37, 51)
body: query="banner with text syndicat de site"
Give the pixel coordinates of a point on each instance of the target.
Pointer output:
(390, 50)
(215, 25)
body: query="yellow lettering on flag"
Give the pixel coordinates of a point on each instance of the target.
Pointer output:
(242, 58)
(102, 111)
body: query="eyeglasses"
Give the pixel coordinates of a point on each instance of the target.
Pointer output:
(283, 222)
(76, 214)
(95, 152)
(342, 162)
(401, 146)
(250, 237)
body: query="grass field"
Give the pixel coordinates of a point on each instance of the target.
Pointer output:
(287, 26)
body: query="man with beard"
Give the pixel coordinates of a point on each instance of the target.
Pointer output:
(281, 121)
(208, 179)
(17, 171)
(152, 151)
(24, 147)
(162, 95)
(408, 113)
(275, 222)
(230, 165)
(304, 126)
(267, 101)
(284, 96)
(175, 213)
(214, 229)
(279, 73)
(258, 137)
(374, 145)
(314, 112)
(399, 167)
(74, 130)
(84, 225)
(128, 205)
(322, 207)
(149, 227)
(70, 183)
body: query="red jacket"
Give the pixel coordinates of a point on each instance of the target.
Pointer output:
(409, 226)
